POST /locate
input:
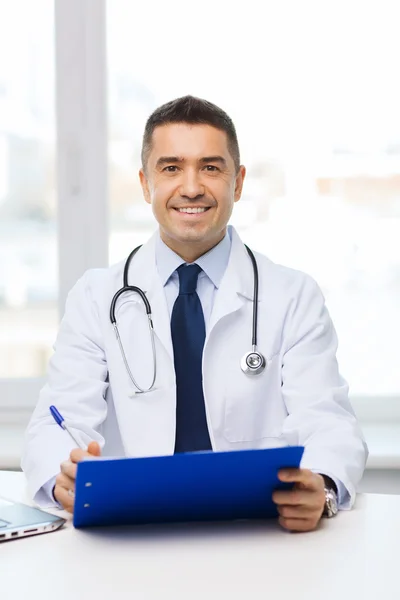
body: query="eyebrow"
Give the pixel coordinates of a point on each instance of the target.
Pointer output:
(164, 160)
(213, 159)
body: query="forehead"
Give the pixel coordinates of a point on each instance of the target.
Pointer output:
(188, 141)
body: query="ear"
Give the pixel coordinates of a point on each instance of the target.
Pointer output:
(145, 186)
(239, 182)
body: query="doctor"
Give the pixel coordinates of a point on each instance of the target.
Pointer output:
(198, 278)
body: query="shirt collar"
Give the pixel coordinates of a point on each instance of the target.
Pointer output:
(213, 263)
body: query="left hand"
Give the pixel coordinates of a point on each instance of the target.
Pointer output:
(301, 508)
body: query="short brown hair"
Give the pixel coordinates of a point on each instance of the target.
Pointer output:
(193, 111)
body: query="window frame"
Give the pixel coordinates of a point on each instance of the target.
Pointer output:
(82, 180)
(82, 165)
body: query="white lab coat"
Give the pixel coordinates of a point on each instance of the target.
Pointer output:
(299, 399)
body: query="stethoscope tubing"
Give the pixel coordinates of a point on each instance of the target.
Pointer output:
(245, 364)
(255, 298)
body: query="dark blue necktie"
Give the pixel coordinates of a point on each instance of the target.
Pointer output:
(188, 335)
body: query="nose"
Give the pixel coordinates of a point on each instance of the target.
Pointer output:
(191, 186)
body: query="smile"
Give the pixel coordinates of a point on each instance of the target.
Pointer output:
(192, 210)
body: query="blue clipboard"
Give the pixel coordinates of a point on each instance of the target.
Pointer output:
(198, 486)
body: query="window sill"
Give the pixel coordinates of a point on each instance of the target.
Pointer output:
(11, 439)
(383, 442)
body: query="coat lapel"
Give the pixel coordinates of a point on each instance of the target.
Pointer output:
(143, 273)
(146, 421)
(236, 285)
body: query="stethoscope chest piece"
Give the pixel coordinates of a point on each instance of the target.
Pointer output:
(253, 363)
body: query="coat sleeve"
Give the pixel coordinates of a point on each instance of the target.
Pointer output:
(76, 385)
(320, 416)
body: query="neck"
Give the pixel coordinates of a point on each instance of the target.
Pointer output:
(191, 251)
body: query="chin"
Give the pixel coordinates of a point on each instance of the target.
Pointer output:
(192, 234)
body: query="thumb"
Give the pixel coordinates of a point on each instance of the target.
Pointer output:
(94, 449)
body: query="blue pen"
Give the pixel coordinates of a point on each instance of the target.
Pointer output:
(59, 419)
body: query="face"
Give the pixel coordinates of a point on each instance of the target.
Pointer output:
(191, 183)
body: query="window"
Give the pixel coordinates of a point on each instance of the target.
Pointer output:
(28, 252)
(312, 88)
(47, 238)
(320, 138)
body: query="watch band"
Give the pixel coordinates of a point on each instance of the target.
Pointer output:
(331, 503)
(329, 483)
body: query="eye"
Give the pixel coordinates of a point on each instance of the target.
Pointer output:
(170, 169)
(211, 168)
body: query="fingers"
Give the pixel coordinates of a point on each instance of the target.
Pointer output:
(94, 449)
(65, 480)
(299, 518)
(294, 512)
(298, 524)
(63, 484)
(77, 454)
(66, 501)
(69, 469)
(297, 497)
(307, 478)
(300, 508)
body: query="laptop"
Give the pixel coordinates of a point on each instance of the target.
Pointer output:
(19, 520)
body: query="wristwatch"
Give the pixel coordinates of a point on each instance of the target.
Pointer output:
(331, 503)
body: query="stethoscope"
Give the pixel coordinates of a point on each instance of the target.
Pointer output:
(252, 363)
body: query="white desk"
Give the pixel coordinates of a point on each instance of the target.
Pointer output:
(354, 556)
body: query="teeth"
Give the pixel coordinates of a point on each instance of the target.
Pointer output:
(192, 210)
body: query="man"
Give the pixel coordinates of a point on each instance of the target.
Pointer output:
(198, 278)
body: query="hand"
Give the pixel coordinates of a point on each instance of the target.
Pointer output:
(66, 479)
(301, 508)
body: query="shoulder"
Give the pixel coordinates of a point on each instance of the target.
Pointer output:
(98, 283)
(106, 276)
(276, 278)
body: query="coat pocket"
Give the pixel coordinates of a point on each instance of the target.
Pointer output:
(254, 406)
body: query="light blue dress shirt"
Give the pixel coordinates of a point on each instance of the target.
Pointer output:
(213, 265)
